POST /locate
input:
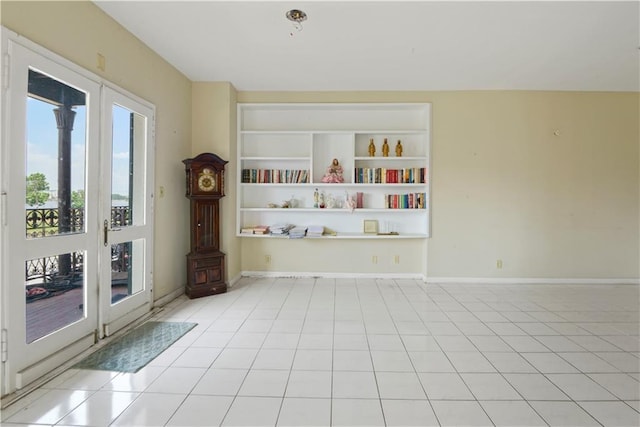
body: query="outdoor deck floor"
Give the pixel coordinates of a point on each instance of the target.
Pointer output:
(50, 314)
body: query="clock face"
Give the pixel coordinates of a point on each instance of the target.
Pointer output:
(206, 180)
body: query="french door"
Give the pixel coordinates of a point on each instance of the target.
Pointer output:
(126, 210)
(77, 234)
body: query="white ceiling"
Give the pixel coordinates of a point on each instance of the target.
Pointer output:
(394, 45)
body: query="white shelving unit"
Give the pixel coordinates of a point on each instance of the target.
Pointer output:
(307, 137)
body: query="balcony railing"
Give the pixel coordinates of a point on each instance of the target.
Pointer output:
(43, 222)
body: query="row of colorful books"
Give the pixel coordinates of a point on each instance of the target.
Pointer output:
(390, 176)
(406, 201)
(275, 176)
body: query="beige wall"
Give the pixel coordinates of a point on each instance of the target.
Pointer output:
(504, 186)
(214, 130)
(78, 31)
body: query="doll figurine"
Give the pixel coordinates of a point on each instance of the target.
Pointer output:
(385, 148)
(334, 173)
(372, 148)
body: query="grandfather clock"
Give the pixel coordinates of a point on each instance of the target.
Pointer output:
(205, 262)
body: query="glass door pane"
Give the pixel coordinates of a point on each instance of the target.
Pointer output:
(127, 268)
(127, 198)
(52, 302)
(55, 155)
(121, 166)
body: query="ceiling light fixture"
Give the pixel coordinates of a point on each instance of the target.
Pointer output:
(296, 16)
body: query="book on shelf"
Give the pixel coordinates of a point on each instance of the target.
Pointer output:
(261, 229)
(315, 231)
(275, 176)
(405, 201)
(297, 232)
(390, 176)
(255, 229)
(280, 229)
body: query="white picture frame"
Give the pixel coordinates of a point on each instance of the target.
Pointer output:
(370, 226)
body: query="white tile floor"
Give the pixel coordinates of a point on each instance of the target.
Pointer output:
(373, 352)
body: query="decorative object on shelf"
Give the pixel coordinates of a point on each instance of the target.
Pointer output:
(349, 201)
(372, 148)
(273, 205)
(334, 173)
(316, 198)
(370, 226)
(331, 201)
(385, 148)
(321, 204)
(399, 149)
(205, 261)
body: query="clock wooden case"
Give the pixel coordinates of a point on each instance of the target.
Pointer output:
(205, 261)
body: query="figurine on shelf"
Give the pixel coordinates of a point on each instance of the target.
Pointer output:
(372, 148)
(330, 201)
(316, 199)
(385, 148)
(399, 149)
(334, 173)
(349, 202)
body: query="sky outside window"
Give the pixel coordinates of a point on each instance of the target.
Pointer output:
(42, 146)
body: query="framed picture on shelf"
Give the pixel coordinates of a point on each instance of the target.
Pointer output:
(370, 226)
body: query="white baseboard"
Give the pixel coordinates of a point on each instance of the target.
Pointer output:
(328, 275)
(530, 280)
(235, 279)
(444, 280)
(169, 297)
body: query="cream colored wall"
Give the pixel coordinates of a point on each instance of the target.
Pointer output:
(78, 31)
(504, 186)
(347, 256)
(214, 130)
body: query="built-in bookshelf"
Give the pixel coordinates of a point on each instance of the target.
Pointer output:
(284, 150)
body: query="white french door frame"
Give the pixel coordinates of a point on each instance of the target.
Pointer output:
(22, 363)
(115, 316)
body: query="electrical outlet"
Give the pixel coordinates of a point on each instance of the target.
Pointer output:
(267, 259)
(396, 259)
(374, 259)
(499, 264)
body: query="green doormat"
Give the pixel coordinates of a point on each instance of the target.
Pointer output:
(136, 348)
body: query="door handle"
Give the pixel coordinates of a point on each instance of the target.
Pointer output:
(106, 231)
